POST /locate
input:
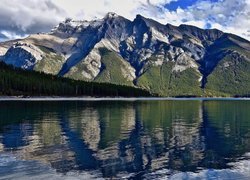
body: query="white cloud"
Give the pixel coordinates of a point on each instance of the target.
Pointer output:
(232, 16)
(10, 35)
(89, 9)
(30, 16)
(20, 17)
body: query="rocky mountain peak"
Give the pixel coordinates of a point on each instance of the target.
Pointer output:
(111, 15)
(140, 19)
(149, 22)
(203, 35)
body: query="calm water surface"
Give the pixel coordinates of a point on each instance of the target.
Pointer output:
(132, 140)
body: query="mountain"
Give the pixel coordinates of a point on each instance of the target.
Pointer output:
(164, 59)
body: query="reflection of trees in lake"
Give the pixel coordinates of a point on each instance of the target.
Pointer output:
(86, 123)
(173, 133)
(226, 130)
(130, 136)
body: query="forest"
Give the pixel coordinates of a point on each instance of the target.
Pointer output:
(18, 82)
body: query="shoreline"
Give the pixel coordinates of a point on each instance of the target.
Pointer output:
(47, 98)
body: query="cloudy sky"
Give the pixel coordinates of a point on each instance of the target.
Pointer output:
(18, 18)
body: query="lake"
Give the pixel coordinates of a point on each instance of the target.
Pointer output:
(168, 139)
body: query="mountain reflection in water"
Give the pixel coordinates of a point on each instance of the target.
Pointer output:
(137, 139)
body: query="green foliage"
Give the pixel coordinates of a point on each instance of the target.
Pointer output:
(76, 72)
(164, 81)
(230, 78)
(232, 116)
(113, 65)
(164, 113)
(51, 63)
(111, 70)
(15, 81)
(46, 50)
(230, 74)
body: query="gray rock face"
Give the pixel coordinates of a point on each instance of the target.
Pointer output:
(139, 43)
(23, 55)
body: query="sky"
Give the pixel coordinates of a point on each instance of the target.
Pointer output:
(19, 18)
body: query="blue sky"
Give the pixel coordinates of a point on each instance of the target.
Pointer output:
(19, 18)
(172, 6)
(183, 4)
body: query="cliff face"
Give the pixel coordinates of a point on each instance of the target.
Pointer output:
(165, 59)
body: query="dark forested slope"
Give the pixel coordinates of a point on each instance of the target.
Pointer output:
(15, 82)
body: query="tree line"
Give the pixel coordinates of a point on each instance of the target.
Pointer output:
(17, 82)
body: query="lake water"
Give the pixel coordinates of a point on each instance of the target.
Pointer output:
(168, 139)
